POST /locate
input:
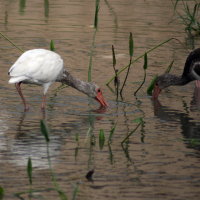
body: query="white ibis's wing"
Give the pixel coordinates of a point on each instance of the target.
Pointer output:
(38, 65)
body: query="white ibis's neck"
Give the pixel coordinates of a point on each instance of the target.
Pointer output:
(82, 86)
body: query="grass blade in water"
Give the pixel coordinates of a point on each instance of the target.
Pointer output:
(131, 45)
(138, 120)
(75, 192)
(96, 14)
(133, 131)
(145, 61)
(1, 193)
(116, 81)
(62, 195)
(46, 8)
(5, 37)
(135, 60)
(114, 58)
(52, 46)
(130, 61)
(101, 138)
(29, 170)
(44, 130)
(111, 133)
(144, 67)
(93, 41)
(169, 67)
(151, 86)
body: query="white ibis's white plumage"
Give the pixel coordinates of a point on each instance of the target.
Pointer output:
(44, 67)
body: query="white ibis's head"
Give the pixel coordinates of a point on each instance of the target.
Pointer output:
(162, 82)
(95, 92)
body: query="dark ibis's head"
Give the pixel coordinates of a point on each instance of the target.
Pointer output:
(162, 82)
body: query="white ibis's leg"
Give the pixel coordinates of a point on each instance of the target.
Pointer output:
(46, 87)
(197, 84)
(17, 85)
(43, 102)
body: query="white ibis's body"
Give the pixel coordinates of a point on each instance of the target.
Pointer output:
(44, 67)
(37, 66)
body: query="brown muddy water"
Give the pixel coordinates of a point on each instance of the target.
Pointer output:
(161, 160)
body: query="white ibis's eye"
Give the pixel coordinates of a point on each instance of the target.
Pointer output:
(99, 90)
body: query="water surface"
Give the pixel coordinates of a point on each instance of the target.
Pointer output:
(159, 161)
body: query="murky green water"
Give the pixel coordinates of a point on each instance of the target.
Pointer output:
(159, 161)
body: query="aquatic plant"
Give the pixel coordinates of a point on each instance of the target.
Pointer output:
(140, 122)
(131, 48)
(97, 7)
(22, 6)
(101, 139)
(46, 8)
(144, 67)
(44, 130)
(111, 134)
(116, 80)
(110, 142)
(139, 57)
(112, 11)
(152, 83)
(189, 15)
(52, 46)
(75, 191)
(11, 42)
(1, 193)
(29, 170)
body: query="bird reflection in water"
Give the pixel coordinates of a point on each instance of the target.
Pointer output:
(189, 127)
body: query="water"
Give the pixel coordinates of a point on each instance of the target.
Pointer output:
(160, 160)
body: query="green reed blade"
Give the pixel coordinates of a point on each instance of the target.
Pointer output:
(169, 67)
(62, 195)
(138, 120)
(75, 192)
(145, 61)
(52, 46)
(131, 48)
(114, 58)
(22, 6)
(46, 8)
(130, 62)
(5, 37)
(44, 130)
(135, 60)
(112, 11)
(176, 3)
(145, 65)
(111, 133)
(101, 138)
(151, 85)
(29, 170)
(1, 193)
(96, 14)
(133, 131)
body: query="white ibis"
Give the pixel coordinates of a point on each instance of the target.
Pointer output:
(191, 72)
(44, 67)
